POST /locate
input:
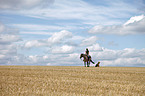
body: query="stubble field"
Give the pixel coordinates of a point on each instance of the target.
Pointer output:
(71, 81)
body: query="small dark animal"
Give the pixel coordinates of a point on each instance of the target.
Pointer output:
(98, 64)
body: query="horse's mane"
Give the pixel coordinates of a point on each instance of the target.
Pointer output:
(84, 54)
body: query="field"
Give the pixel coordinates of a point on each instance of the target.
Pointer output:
(71, 81)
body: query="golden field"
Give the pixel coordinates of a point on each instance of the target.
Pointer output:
(71, 81)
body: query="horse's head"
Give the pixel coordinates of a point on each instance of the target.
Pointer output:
(81, 56)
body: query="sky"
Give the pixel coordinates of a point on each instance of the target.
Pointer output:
(56, 32)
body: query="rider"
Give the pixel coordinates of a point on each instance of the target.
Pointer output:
(89, 57)
(87, 52)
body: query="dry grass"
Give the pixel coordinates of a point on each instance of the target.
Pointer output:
(71, 81)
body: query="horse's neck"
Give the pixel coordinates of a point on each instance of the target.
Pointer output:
(85, 54)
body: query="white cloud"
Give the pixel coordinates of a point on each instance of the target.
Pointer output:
(95, 47)
(56, 38)
(63, 49)
(6, 38)
(65, 59)
(105, 54)
(59, 36)
(2, 56)
(126, 57)
(60, 52)
(34, 43)
(74, 59)
(133, 26)
(134, 19)
(67, 10)
(49, 59)
(37, 27)
(89, 41)
(2, 27)
(36, 33)
(64, 55)
(136, 62)
(23, 4)
(107, 57)
(77, 38)
(8, 48)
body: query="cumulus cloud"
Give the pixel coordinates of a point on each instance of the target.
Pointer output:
(8, 48)
(34, 43)
(136, 62)
(95, 47)
(56, 38)
(49, 59)
(133, 26)
(29, 60)
(65, 55)
(107, 57)
(89, 41)
(23, 4)
(59, 36)
(8, 35)
(6, 38)
(71, 59)
(63, 49)
(125, 57)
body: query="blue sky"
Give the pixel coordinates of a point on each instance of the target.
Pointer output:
(55, 32)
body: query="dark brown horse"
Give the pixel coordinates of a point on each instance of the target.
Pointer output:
(85, 57)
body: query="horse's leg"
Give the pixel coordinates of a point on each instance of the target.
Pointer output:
(88, 64)
(84, 64)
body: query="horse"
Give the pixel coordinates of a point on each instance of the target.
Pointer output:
(86, 59)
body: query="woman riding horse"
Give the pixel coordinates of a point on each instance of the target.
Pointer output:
(87, 58)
